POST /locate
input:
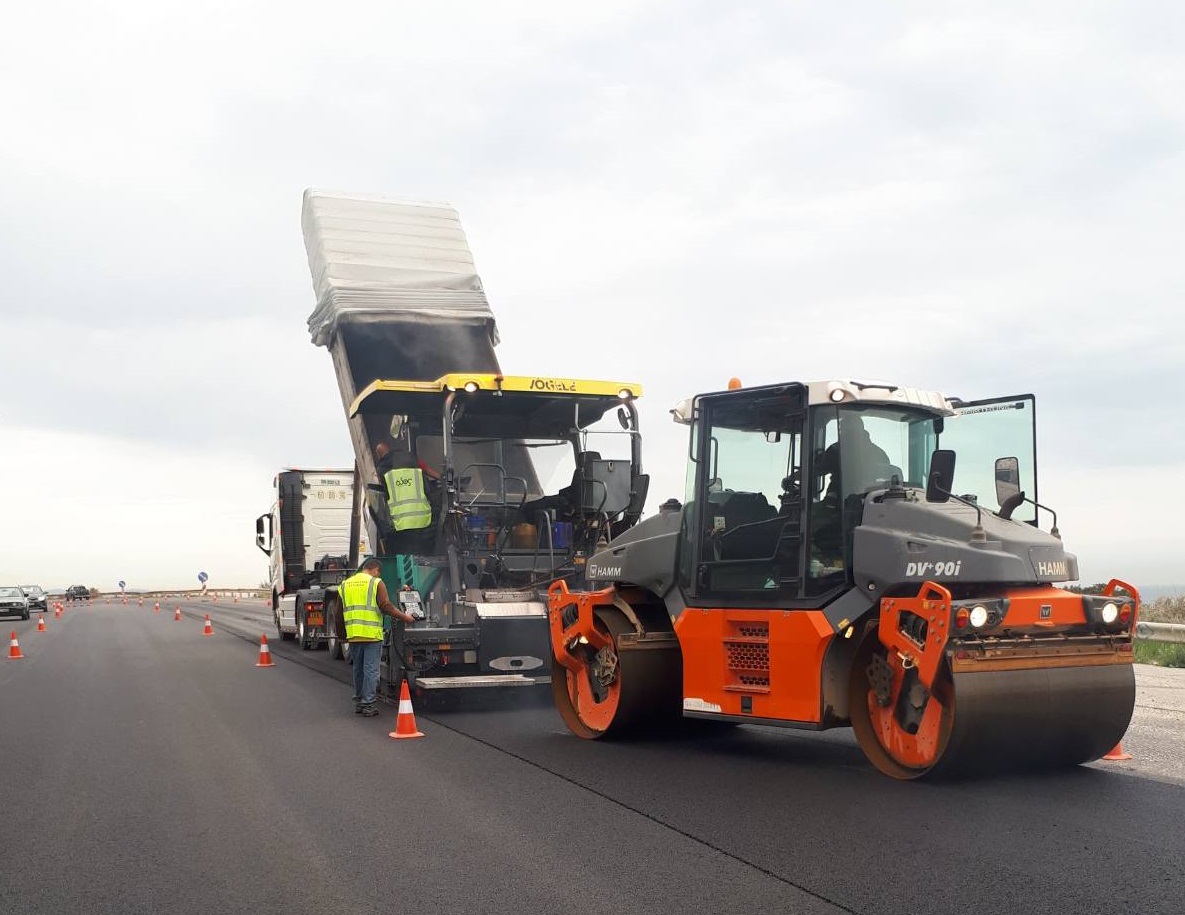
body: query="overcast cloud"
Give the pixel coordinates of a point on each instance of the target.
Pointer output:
(979, 198)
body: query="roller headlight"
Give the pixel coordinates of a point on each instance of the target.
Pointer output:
(1110, 612)
(979, 616)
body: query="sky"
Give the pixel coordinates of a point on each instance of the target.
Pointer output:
(983, 199)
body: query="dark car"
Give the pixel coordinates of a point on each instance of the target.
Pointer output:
(38, 599)
(14, 603)
(78, 592)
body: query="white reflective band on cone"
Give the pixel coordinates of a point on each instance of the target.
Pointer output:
(405, 707)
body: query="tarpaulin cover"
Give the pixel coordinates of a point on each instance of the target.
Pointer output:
(375, 259)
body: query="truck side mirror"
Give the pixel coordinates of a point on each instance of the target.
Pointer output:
(263, 533)
(1007, 479)
(941, 476)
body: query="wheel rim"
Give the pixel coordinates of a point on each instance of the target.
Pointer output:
(888, 745)
(579, 707)
(572, 691)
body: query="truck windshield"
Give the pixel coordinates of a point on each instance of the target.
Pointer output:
(856, 448)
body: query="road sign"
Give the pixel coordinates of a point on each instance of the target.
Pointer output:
(203, 577)
(122, 585)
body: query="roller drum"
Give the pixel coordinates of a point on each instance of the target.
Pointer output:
(1037, 718)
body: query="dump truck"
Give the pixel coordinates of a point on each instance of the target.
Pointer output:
(405, 319)
(306, 536)
(830, 567)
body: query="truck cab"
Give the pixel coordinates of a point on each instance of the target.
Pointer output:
(306, 537)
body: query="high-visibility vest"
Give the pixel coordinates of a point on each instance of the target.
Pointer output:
(361, 608)
(406, 499)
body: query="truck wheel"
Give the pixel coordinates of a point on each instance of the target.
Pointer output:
(302, 631)
(332, 643)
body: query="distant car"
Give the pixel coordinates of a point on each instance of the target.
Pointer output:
(38, 599)
(14, 603)
(78, 592)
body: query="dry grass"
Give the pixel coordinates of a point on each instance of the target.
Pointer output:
(1164, 610)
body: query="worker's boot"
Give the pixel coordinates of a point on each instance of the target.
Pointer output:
(368, 711)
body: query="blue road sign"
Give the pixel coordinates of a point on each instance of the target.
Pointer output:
(122, 585)
(203, 577)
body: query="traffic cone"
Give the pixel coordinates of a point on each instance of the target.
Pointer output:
(209, 630)
(177, 614)
(265, 654)
(405, 724)
(236, 598)
(41, 624)
(1118, 755)
(57, 610)
(14, 648)
(156, 607)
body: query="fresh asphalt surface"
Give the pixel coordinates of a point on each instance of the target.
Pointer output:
(151, 770)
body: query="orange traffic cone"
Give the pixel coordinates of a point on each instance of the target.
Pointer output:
(41, 624)
(1117, 755)
(236, 598)
(14, 648)
(209, 630)
(57, 610)
(405, 724)
(177, 614)
(265, 654)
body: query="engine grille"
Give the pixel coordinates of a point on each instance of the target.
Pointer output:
(746, 656)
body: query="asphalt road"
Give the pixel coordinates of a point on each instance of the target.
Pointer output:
(150, 769)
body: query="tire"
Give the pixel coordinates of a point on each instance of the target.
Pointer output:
(332, 643)
(302, 631)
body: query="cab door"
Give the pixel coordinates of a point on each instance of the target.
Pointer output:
(980, 432)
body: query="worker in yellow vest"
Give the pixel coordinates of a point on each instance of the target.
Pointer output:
(410, 485)
(364, 603)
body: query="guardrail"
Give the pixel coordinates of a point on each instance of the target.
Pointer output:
(1160, 632)
(188, 594)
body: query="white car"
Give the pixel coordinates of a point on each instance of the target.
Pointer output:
(38, 599)
(14, 603)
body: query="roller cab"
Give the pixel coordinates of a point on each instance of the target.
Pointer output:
(829, 566)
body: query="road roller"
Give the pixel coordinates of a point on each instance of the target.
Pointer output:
(853, 554)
